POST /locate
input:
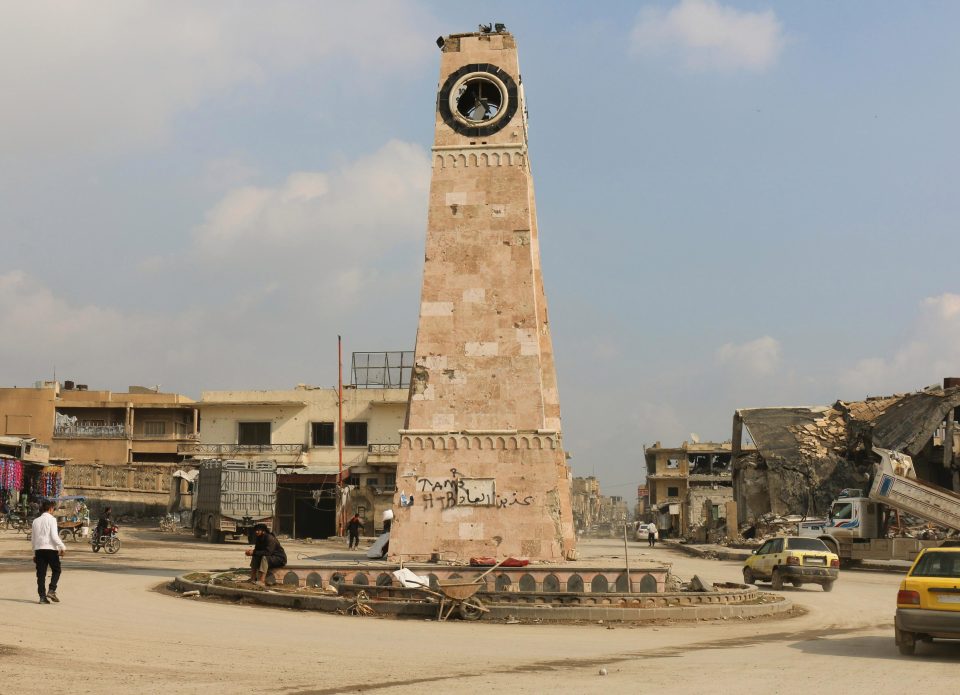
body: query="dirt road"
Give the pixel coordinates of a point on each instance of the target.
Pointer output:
(113, 633)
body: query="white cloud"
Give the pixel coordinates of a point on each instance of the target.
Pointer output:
(316, 254)
(115, 75)
(85, 338)
(357, 211)
(226, 173)
(760, 357)
(706, 35)
(930, 352)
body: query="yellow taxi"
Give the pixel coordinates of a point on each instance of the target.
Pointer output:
(928, 603)
(792, 559)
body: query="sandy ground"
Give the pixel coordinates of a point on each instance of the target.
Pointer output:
(113, 632)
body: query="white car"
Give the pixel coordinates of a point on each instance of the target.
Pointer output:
(643, 532)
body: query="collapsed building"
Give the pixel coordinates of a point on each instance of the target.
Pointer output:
(802, 457)
(690, 489)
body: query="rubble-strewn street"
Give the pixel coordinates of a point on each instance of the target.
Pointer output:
(114, 632)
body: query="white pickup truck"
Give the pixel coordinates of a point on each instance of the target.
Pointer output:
(856, 527)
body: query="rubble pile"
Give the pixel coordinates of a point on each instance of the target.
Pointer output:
(804, 456)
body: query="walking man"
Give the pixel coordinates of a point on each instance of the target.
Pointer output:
(47, 551)
(353, 529)
(652, 534)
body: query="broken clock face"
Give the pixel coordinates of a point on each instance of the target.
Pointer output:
(478, 100)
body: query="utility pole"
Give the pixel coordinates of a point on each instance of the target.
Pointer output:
(339, 507)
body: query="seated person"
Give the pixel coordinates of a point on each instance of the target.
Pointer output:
(265, 555)
(104, 522)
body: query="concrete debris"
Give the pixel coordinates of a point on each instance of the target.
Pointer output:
(804, 456)
(190, 594)
(697, 584)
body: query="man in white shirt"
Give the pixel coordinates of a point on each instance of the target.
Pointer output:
(47, 551)
(652, 534)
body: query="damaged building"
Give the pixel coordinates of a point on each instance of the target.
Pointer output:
(802, 457)
(690, 489)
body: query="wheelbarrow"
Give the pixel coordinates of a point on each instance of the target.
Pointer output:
(459, 597)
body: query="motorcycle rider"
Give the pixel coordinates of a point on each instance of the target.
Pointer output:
(104, 522)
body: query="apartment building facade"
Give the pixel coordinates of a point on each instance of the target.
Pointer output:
(115, 448)
(299, 429)
(690, 488)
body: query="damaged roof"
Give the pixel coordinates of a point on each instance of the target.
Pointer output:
(783, 434)
(901, 423)
(908, 424)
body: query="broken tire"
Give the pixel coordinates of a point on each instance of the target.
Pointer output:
(776, 580)
(748, 577)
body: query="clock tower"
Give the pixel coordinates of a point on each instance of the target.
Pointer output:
(482, 470)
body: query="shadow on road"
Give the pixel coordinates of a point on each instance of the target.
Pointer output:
(880, 647)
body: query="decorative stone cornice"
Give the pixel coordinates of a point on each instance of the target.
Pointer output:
(479, 439)
(464, 156)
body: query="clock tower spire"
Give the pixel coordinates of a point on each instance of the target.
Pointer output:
(482, 470)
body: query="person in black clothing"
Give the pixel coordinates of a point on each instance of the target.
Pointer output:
(353, 529)
(265, 555)
(104, 522)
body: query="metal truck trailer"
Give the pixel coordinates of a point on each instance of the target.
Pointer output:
(232, 497)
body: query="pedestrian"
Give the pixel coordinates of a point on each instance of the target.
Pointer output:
(353, 529)
(47, 551)
(265, 555)
(652, 534)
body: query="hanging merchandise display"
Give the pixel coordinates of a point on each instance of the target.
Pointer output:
(11, 475)
(48, 484)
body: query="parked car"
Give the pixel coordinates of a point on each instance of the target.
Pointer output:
(643, 532)
(792, 559)
(928, 602)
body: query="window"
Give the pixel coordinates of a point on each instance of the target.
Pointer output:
(353, 480)
(321, 434)
(765, 548)
(373, 482)
(390, 480)
(355, 434)
(154, 428)
(807, 544)
(777, 546)
(673, 492)
(934, 564)
(253, 433)
(843, 510)
(673, 463)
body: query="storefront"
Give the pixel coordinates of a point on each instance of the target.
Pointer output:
(24, 483)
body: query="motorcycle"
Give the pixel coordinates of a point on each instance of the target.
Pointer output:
(106, 539)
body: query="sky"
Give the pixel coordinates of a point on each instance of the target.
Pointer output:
(741, 204)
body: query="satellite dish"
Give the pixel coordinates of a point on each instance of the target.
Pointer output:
(694, 437)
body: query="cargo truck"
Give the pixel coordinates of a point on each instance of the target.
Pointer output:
(857, 526)
(232, 497)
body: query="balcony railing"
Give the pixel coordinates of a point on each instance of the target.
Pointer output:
(241, 449)
(91, 431)
(167, 436)
(383, 449)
